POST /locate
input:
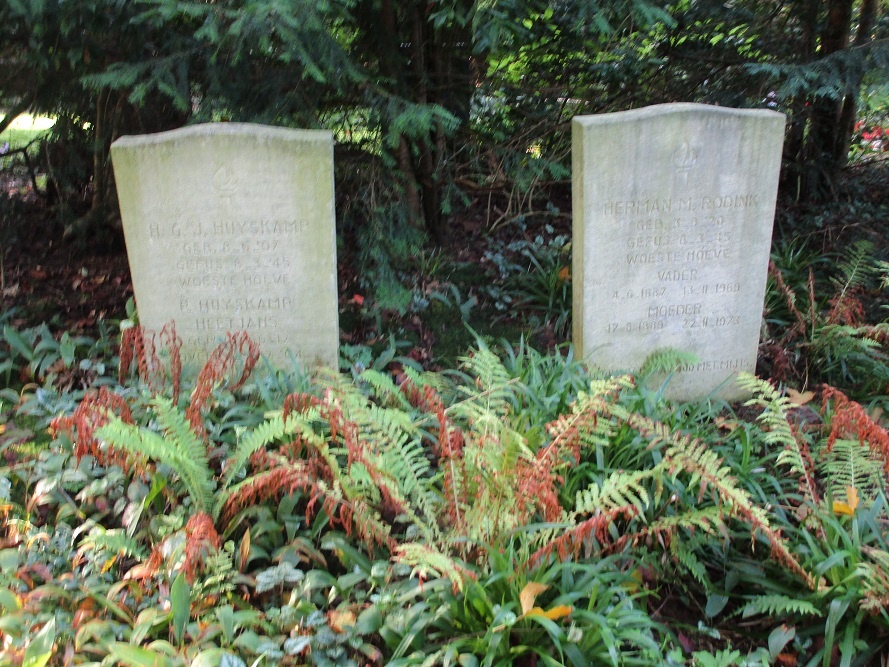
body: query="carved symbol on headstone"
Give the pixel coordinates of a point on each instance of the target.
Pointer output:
(225, 183)
(684, 159)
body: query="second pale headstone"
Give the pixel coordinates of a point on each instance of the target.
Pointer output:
(673, 213)
(231, 227)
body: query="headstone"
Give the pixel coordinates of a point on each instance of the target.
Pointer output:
(673, 213)
(230, 227)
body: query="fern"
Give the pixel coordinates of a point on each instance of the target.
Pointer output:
(777, 431)
(779, 606)
(113, 542)
(687, 558)
(666, 360)
(384, 388)
(220, 577)
(855, 268)
(848, 463)
(426, 560)
(261, 436)
(492, 393)
(619, 490)
(176, 446)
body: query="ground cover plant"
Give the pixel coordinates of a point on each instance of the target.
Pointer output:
(520, 509)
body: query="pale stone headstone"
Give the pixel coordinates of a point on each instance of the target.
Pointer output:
(673, 213)
(230, 227)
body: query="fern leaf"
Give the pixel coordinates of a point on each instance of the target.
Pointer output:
(260, 436)
(114, 541)
(666, 360)
(687, 558)
(779, 606)
(178, 448)
(619, 490)
(426, 560)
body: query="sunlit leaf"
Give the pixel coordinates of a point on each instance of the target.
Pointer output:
(340, 620)
(798, 398)
(847, 508)
(529, 593)
(557, 612)
(39, 651)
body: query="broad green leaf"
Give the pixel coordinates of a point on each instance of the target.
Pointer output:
(9, 600)
(18, 343)
(39, 651)
(135, 656)
(180, 604)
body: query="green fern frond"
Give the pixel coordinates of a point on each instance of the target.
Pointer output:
(773, 418)
(220, 576)
(114, 541)
(851, 464)
(426, 560)
(855, 267)
(385, 388)
(177, 447)
(493, 393)
(687, 558)
(704, 520)
(779, 606)
(777, 430)
(260, 436)
(619, 490)
(666, 360)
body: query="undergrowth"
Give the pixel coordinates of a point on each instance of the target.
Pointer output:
(518, 510)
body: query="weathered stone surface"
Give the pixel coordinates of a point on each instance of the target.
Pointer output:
(673, 212)
(231, 227)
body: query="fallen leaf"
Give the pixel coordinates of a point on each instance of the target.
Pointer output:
(687, 644)
(847, 508)
(358, 300)
(557, 612)
(727, 424)
(798, 398)
(529, 593)
(339, 620)
(565, 273)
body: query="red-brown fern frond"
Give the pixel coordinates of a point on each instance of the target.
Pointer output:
(570, 543)
(299, 403)
(850, 420)
(807, 485)
(799, 326)
(138, 344)
(92, 413)
(219, 364)
(201, 538)
(279, 480)
(173, 342)
(781, 366)
(845, 308)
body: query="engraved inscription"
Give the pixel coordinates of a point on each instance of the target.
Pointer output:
(673, 212)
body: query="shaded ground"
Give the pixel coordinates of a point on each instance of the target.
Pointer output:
(73, 286)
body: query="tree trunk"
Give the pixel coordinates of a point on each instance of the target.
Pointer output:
(820, 176)
(793, 175)
(867, 15)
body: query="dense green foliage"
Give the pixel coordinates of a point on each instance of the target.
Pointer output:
(517, 509)
(433, 104)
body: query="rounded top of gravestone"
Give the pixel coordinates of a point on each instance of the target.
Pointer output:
(240, 130)
(675, 108)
